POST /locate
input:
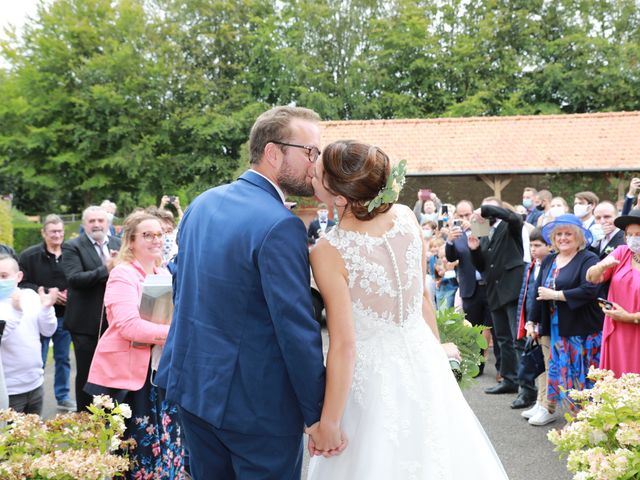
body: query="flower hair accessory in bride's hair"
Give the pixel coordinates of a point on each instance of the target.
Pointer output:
(391, 191)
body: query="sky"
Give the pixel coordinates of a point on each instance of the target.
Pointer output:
(15, 12)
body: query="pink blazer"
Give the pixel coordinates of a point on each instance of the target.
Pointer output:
(120, 361)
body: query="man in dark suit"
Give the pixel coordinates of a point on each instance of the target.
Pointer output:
(472, 287)
(320, 225)
(499, 258)
(87, 261)
(605, 213)
(243, 359)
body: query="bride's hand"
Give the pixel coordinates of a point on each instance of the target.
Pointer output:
(451, 350)
(325, 440)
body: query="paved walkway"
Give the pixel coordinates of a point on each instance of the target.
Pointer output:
(524, 450)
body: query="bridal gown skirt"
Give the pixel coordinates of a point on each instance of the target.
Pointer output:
(406, 417)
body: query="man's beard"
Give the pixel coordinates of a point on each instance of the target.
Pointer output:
(291, 185)
(98, 235)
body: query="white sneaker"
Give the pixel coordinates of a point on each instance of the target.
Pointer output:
(531, 411)
(543, 417)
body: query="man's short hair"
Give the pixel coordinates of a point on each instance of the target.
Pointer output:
(462, 202)
(493, 200)
(51, 219)
(91, 209)
(273, 125)
(607, 202)
(12, 259)
(536, 234)
(545, 195)
(589, 197)
(530, 189)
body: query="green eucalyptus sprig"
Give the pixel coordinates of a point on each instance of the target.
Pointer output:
(391, 191)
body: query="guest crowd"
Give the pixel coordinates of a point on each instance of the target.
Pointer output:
(568, 280)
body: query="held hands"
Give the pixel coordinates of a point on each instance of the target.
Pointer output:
(634, 187)
(48, 299)
(325, 440)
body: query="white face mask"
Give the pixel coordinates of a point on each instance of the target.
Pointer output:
(634, 244)
(110, 217)
(597, 232)
(323, 215)
(427, 234)
(580, 210)
(169, 242)
(555, 212)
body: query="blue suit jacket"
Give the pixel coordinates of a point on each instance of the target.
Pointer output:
(244, 352)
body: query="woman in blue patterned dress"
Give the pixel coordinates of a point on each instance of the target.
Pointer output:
(567, 312)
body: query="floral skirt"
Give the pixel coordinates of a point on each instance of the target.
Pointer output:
(570, 360)
(155, 426)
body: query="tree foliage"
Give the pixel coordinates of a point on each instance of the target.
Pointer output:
(130, 99)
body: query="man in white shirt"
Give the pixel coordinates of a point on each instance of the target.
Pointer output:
(27, 315)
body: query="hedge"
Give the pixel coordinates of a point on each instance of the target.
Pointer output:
(25, 235)
(6, 225)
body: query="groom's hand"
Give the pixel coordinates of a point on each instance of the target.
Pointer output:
(326, 440)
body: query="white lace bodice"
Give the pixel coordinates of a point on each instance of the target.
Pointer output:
(385, 272)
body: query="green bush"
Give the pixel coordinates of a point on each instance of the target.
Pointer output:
(25, 235)
(6, 226)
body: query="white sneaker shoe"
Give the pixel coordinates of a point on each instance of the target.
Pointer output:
(531, 411)
(543, 417)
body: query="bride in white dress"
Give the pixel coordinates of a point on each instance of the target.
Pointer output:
(390, 390)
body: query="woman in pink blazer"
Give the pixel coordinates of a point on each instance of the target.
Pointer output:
(121, 365)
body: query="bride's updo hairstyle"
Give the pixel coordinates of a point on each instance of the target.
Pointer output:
(358, 172)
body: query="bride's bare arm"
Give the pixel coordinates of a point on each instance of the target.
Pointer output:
(331, 277)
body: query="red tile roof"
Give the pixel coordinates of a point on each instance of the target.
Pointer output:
(493, 145)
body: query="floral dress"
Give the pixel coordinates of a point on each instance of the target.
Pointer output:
(159, 452)
(571, 357)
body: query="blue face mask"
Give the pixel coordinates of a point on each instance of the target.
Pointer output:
(527, 203)
(7, 286)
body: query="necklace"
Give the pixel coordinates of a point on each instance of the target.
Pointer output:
(636, 257)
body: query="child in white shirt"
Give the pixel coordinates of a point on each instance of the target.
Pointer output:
(28, 315)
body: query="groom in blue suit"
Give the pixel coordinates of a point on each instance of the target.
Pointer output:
(243, 359)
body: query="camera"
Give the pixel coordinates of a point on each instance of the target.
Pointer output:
(457, 223)
(172, 199)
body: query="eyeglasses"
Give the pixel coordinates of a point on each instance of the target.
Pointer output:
(150, 237)
(312, 152)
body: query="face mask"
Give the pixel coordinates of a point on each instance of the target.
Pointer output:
(7, 286)
(110, 217)
(427, 234)
(597, 232)
(323, 215)
(556, 211)
(540, 207)
(169, 242)
(634, 244)
(527, 202)
(580, 210)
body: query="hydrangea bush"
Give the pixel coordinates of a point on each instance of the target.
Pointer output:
(72, 446)
(602, 442)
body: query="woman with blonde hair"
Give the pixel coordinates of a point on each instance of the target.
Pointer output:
(566, 312)
(121, 366)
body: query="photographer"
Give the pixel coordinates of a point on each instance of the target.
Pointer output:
(174, 201)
